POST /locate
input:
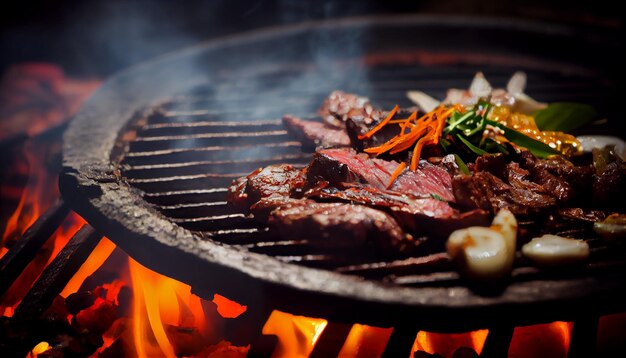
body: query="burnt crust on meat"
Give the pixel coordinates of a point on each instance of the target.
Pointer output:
(280, 179)
(341, 225)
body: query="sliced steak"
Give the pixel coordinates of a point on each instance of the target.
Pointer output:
(262, 208)
(339, 106)
(427, 180)
(557, 175)
(279, 180)
(419, 216)
(342, 225)
(486, 191)
(316, 134)
(339, 166)
(358, 116)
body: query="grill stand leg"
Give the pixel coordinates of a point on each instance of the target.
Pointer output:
(584, 337)
(498, 342)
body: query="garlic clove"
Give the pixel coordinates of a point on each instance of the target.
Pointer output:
(481, 253)
(505, 223)
(552, 251)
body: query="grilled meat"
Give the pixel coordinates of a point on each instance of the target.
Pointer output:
(274, 180)
(316, 134)
(342, 225)
(339, 166)
(419, 216)
(339, 106)
(486, 191)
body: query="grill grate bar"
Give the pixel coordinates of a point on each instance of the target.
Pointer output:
(218, 162)
(258, 111)
(185, 177)
(208, 101)
(305, 258)
(187, 192)
(276, 243)
(435, 261)
(192, 205)
(259, 123)
(212, 136)
(450, 278)
(212, 149)
(210, 218)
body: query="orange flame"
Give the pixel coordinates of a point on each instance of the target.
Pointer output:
(37, 194)
(162, 307)
(447, 344)
(365, 341)
(97, 257)
(297, 335)
(542, 340)
(227, 308)
(38, 349)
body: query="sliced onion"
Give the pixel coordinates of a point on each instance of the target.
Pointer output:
(480, 87)
(517, 83)
(424, 101)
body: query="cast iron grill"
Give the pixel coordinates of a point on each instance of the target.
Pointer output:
(186, 151)
(148, 160)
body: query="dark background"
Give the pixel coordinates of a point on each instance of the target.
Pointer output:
(96, 38)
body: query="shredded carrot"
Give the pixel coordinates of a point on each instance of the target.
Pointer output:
(380, 125)
(414, 131)
(417, 151)
(407, 122)
(396, 173)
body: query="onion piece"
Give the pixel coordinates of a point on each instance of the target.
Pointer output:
(480, 87)
(424, 101)
(590, 142)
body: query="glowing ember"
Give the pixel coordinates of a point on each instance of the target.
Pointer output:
(41, 347)
(296, 334)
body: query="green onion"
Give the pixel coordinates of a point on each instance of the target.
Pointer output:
(436, 197)
(462, 119)
(472, 147)
(462, 167)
